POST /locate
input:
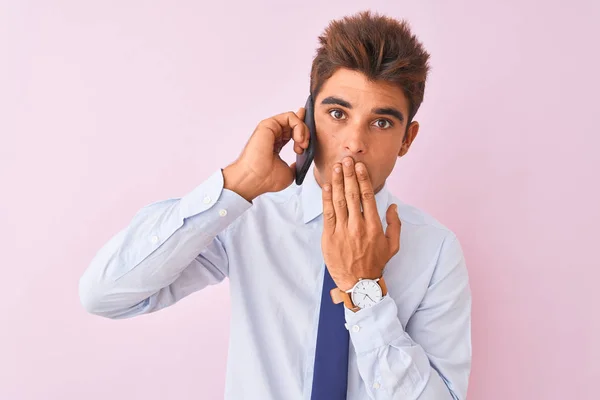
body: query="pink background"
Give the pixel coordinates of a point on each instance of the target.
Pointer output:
(107, 106)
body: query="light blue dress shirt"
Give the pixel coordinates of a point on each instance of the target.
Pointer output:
(414, 344)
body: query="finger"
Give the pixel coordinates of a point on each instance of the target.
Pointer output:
(339, 197)
(300, 146)
(275, 130)
(328, 210)
(301, 114)
(392, 232)
(351, 190)
(367, 196)
(298, 149)
(292, 127)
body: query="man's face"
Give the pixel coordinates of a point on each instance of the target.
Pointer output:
(364, 120)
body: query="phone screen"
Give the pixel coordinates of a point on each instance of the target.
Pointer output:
(304, 160)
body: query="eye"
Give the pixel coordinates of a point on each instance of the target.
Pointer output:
(337, 114)
(383, 123)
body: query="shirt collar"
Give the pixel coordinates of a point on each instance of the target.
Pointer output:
(312, 198)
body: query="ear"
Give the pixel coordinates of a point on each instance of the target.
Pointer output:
(409, 136)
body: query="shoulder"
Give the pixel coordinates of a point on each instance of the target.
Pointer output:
(420, 230)
(415, 218)
(269, 205)
(282, 197)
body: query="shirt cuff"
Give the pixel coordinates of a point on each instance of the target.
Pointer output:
(374, 327)
(220, 206)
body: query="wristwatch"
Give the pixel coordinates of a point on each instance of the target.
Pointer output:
(365, 293)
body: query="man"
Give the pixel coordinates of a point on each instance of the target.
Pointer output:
(338, 289)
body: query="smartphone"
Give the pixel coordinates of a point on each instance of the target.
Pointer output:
(304, 160)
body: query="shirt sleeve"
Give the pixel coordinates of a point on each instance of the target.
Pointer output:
(170, 249)
(431, 358)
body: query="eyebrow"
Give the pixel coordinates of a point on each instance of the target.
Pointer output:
(391, 111)
(337, 101)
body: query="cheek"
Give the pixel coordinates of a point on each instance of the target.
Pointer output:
(384, 156)
(327, 135)
(326, 127)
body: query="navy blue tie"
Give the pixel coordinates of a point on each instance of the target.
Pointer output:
(330, 379)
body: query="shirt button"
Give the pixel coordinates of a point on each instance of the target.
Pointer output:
(207, 200)
(376, 385)
(355, 328)
(154, 239)
(222, 213)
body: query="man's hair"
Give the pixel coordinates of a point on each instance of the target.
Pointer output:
(382, 48)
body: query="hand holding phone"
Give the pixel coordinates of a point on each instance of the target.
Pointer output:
(259, 168)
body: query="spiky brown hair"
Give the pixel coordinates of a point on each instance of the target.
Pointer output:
(382, 48)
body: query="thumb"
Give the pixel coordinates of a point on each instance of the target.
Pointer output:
(392, 232)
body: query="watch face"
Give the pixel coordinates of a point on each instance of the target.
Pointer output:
(366, 293)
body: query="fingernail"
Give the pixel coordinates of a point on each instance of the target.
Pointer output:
(359, 167)
(347, 162)
(337, 169)
(327, 188)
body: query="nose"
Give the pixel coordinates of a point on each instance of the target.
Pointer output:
(354, 142)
